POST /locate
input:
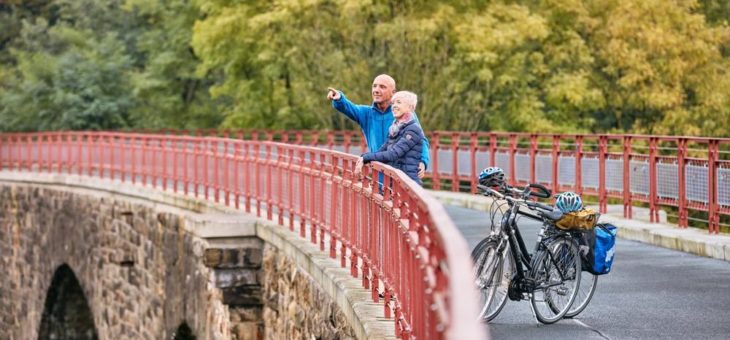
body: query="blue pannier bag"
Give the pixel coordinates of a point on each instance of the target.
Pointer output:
(598, 248)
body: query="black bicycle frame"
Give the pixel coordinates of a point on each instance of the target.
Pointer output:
(518, 250)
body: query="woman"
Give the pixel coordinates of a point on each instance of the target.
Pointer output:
(403, 148)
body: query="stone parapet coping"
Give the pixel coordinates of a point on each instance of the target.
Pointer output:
(220, 224)
(689, 240)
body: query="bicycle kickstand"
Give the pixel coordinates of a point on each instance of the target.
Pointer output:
(532, 308)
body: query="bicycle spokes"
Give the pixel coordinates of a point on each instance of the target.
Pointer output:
(556, 280)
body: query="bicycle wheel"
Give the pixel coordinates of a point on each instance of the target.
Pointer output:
(556, 271)
(588, 283)
(492, 273)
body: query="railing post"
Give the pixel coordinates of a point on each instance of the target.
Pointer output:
(3, 145)
(44, 158)
(346, 218)
(455, 137)
(206, 169)
(682, 182)
(347, 141)
(473, 162)
(280, 158)
(436, 184)
(302, 214)
(254, 199)
(236, 173)
(163, 155)
(712, 160)
(315, 139)
(333, 209)
(579, 164)
(215, 156)
(627, 177)
(66, 141)
(290, 194)
(90, 148)
(80, 140)
(269, 174)
(330, 140)
(313, 213)
(492, 149)
(512, 150)
(602, 194)
(247, 187)
(653, 209)
(556, 159)
(533, 158)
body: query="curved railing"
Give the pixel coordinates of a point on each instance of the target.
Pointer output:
(689, 174)
(391, 234)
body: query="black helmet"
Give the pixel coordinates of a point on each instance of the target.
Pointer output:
(492, 177)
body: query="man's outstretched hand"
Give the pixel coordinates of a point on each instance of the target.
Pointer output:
(333, 94)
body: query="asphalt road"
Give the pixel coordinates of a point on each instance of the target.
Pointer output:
(651, 293)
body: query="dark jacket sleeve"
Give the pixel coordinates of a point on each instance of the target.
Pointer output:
(368, 156)
(406, 142)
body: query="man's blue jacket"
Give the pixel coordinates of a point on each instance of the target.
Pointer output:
(374, 124)
(402, 151)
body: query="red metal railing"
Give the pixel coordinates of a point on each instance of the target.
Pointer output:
(689, 174)
(393, 235)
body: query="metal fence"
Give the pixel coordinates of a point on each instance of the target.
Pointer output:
(689, 174)
(391, 234)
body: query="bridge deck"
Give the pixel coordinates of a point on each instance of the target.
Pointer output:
(651, 293)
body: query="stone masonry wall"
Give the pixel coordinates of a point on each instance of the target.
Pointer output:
(145, 275)
(140, 270)
(239, 276)
(295, 307)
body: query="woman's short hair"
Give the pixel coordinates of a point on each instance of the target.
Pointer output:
(407, 96)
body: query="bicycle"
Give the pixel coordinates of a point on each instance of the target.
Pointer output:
(588, 281)
(504, 268)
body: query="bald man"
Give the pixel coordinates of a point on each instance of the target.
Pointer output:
(375, 119)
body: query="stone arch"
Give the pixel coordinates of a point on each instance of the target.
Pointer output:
(66, 312)
(183, 332)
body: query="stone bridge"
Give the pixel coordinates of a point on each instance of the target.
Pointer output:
(112, 235)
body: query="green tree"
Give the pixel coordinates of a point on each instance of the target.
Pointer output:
(167, 91)
(653, 66)
(70, 72)
(660, 67)
(81, 87)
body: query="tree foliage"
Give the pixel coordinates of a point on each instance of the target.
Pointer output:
(653, 66)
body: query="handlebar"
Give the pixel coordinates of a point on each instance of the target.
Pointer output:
(544, 192)
(539, 205)
(542, 209)
(546, 210)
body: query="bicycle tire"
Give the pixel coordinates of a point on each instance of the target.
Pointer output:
(491, 265)
(588, 283)
(553, 296)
